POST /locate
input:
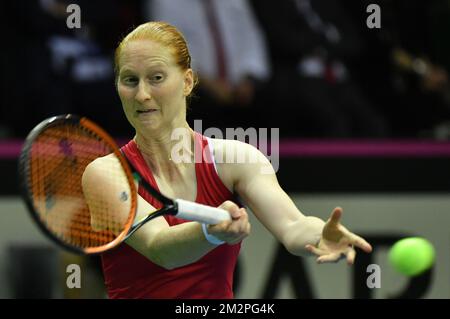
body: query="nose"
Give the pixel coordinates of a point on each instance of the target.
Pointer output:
(143, 92)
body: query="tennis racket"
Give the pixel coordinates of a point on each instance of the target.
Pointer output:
(53, 160)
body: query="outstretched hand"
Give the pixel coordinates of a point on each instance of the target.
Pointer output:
(337, 242)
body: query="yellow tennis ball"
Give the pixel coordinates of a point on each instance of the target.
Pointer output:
(412, 256)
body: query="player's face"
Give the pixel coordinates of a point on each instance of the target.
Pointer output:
(152, 87)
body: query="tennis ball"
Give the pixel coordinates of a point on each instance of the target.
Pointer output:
(412, 256)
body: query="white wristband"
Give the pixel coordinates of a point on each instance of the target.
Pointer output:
(211, 238)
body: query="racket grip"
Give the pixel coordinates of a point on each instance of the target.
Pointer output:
(201, 213)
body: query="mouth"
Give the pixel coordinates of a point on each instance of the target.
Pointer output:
(146, 111)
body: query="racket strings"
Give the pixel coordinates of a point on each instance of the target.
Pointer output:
(58, 159)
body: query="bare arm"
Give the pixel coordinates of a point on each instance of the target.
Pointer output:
(256, 182)
(166, 246)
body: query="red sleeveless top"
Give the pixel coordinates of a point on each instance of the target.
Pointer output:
(128, 274)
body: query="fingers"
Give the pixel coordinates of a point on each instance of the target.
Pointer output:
(314, 250)
(239, 228)
(351, 256)
(333, 257)
(328, 257)
(337, 256)
(324, 256)
(232, 208)
(352, 238)
(335, 216)
(240, 223)
(235, 230)
(362, 244)
(338, 243)
(358, 241)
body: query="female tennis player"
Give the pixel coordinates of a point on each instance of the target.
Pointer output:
(174, 258)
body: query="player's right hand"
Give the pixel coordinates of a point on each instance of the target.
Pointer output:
(235, 230)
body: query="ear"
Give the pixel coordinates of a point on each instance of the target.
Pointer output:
(188, 82)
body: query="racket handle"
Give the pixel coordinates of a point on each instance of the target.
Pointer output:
(201, 213)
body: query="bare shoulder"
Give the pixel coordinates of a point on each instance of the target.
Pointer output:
(103, 164)
(104, 169)
(235, 152)
(235, 160)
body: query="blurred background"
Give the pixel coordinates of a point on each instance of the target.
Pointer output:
(363, 116)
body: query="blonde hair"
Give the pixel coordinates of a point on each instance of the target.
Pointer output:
(164, 34)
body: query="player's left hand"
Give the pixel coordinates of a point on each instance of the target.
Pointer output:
(337, 242)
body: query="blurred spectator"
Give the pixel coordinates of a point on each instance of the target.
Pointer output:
(327, 64)
(422, 72)
(55, 69)
(311, 43)
(409, 63)
(228, 53)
